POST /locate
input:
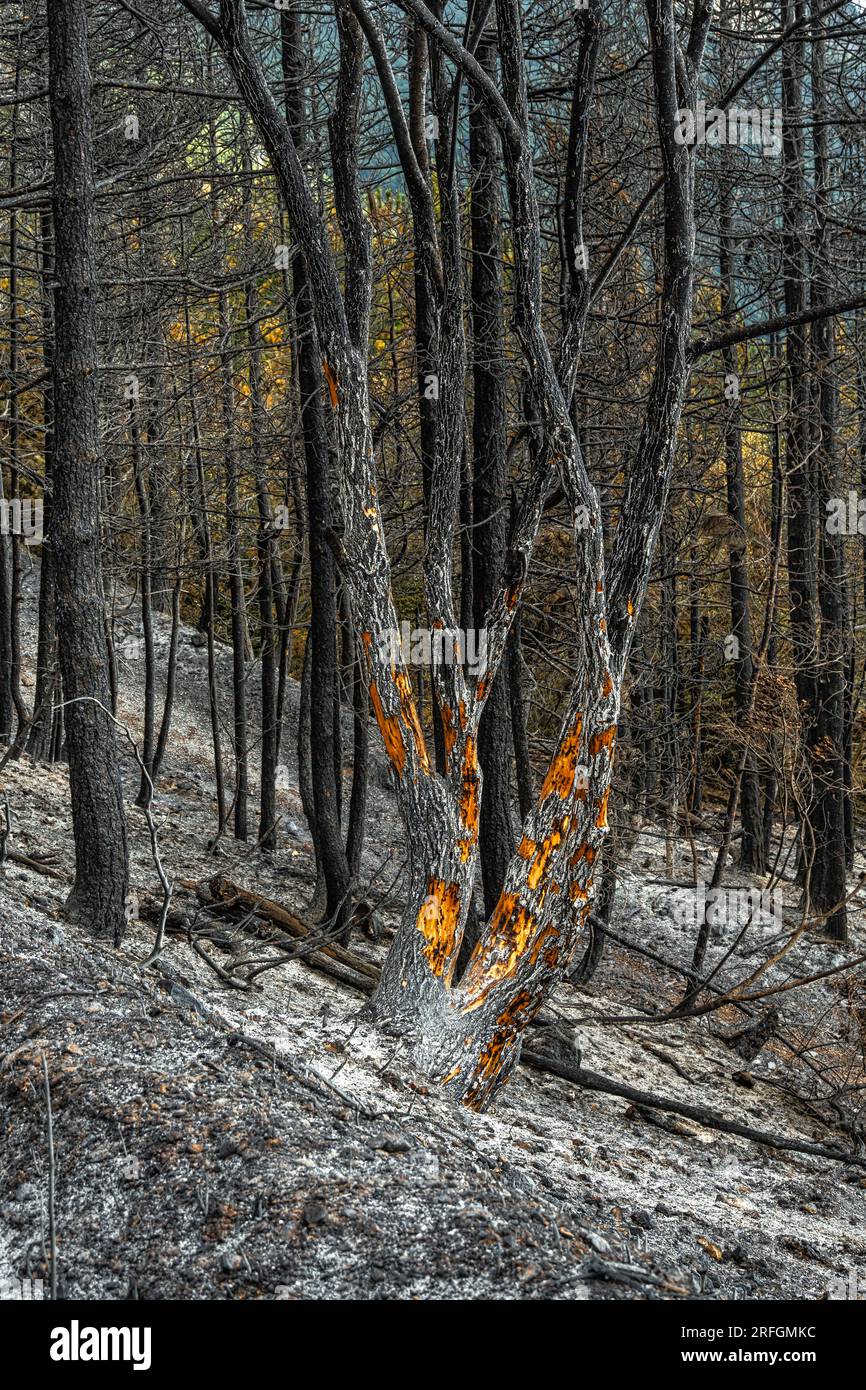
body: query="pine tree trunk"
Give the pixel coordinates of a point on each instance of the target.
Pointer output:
(752, 856)
(98, 897)
(490, 479)
(39, 735)
(827, 876)
(324, 704)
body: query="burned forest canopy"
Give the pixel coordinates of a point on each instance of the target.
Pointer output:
(488, 381)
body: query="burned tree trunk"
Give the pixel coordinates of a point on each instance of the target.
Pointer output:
(490, 478)
(799, 463)
(142, 494)
(46, 693)
(469, 1032)
(237, 591)
(827, 879)
(98, 898)
(752, 855)
(323, 731)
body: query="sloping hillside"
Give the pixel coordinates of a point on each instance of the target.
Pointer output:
(219, 1142)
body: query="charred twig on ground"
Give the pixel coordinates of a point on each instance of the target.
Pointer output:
(39, 866)
(665, 1057)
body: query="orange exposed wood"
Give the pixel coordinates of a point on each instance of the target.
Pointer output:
(526, 848)
(560, 774)
(540, 940)
(469, 793)
(601, 818)
(543, 856)
(332, 384)
(604, 739)
(437, 921)
(496, 955)
(449, 733)
(511, 924)
(492, 1056)
(389, 727)
(410, 718)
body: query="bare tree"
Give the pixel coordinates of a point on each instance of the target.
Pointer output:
(98, 898)
(470, 1029)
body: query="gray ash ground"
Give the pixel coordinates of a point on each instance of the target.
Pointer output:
(190, 1165)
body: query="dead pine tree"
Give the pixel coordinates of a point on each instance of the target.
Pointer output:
(99, 893)
(319, 729)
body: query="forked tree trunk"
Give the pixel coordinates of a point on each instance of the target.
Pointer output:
(469, 1031)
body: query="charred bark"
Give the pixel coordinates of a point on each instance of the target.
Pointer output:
(470, 1033)
(98, 897)
(490, 478)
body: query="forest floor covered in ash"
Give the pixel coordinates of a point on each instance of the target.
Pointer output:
(267, 1143)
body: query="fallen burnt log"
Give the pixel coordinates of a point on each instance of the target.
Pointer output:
(711, 1119)
(219, 909)
(41, 865)
(222, 890)
(341, 964)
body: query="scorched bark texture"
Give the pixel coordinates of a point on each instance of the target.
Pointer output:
(98, 898)
(469, 1030)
